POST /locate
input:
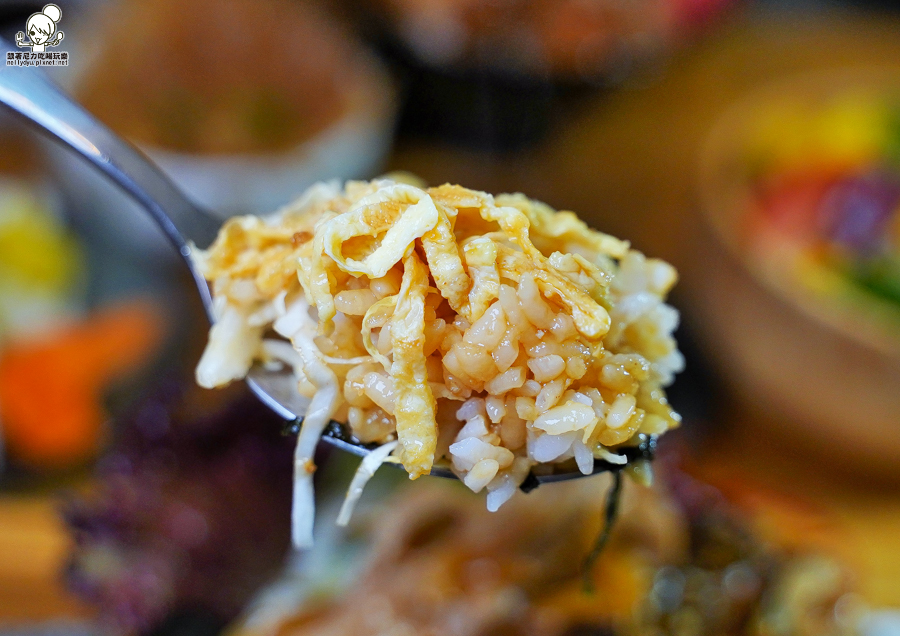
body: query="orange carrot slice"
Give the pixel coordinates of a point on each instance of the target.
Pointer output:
(51, 388)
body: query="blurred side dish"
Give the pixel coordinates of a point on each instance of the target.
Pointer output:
(41, 262)
(57, 359)
(573, 40)
(224, 76)
(187, 513)
(823, 213)
(799, 186)
(681, 562)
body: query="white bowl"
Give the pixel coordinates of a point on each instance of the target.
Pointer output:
(353, 147)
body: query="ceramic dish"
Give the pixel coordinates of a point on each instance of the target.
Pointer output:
(352, 147)
(239, 133)
(792, 322)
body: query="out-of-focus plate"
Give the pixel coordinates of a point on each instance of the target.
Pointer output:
(353, 146)
(831, 371)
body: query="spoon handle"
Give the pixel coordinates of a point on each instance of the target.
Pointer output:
(27, 91)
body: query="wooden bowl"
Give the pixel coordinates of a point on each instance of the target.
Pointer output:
(823, 374)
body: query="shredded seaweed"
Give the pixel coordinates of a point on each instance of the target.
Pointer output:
(292, 427)
(610, 514)
(531, 482)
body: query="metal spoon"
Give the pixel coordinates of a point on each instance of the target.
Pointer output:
(27, 92)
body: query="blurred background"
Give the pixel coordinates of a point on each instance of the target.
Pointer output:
(755, 145)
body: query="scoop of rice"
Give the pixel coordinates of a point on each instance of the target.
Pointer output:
(492, 333)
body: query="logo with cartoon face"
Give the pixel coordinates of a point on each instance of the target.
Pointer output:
(41, 30)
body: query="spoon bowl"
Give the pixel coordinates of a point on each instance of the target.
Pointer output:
(28, 93)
